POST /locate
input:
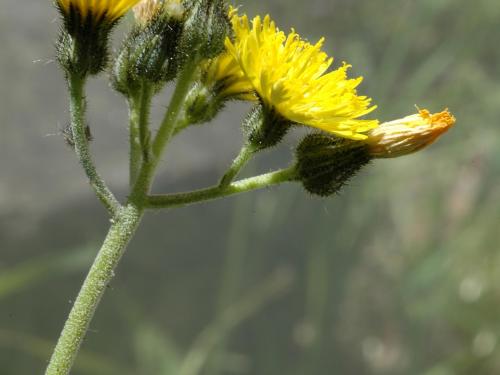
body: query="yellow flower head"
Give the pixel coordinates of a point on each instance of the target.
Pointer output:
(409, 134)
(225, 76)
(290, 76)
(98, 10)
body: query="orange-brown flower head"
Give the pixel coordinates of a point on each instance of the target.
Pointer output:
(409, 134)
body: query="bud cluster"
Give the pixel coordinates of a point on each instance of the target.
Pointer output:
(150, 52)
(164, 35)
(227, 57)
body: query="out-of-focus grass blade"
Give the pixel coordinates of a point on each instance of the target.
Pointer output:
(154, 350)
(25, 274)
(243, 309)
(88, 363)
(156, 354)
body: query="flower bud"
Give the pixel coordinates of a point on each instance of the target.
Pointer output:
(146, 10)
(149, 53)
(82, 48)
(409, 134)
(220, 80)
(202, 105)
(265, 128)
(206, 29)
(326, 163)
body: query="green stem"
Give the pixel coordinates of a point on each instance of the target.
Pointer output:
(126, 219)
(134, 138)
(140, 109)
(216, 192)
(125, 222)
(169, 122)
(79, 130)
(146, 97)
(233, 271)
(246, 153)
(93, 288)
(165, 132)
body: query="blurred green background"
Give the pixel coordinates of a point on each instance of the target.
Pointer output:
(399, 274)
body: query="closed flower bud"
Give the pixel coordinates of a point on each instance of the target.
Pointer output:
(325, 163)
(202, 105)
(82, 48)
(265, 128)
(206, 29)
(409, 134)
(149, 53)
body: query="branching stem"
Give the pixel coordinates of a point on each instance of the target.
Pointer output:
(216, 192)
(165, 133)
(125, 219)
(145, 157)
(246, 153)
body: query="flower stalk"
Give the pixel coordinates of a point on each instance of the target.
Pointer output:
(139, 109)
(94, 286)
(81, 144)
(245, 154)
(217, 192)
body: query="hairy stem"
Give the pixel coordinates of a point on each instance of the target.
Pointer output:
(81, 142)
(216, 192)
(169, 122)
(126, 219)
(93, 288)
(246, 153)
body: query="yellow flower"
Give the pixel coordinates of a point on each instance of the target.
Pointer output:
(224, 74)
(290, 76)
(409, 134)
(99, 10)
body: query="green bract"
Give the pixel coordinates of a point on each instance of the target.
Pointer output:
(326, 163)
